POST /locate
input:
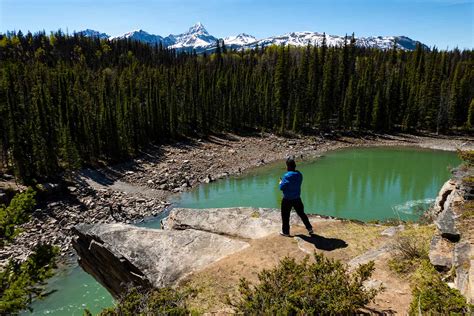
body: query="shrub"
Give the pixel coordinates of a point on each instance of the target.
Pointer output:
(467, 156)
(322, 287)
(164, 301)
(21, 282)
(410, 248)
(432, 296)
(18, 212)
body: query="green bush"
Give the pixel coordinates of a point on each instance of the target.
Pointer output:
(432, 296)
(322, 287)
(467, 156)
(410, 248)
(21, 282)
(164, 301)
(18, 212)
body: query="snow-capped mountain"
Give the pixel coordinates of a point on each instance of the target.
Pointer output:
(315, 38)
(240, 40)
(92, 33)
(141, 36)
(197, 38)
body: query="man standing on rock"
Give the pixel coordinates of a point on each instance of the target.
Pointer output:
(290, 184)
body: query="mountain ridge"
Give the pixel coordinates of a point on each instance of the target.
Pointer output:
(198, 39)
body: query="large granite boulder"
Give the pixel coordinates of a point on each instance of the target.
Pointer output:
(441, 253)
(118, 255)
(441, 200)
(446, 224)
(244, 222)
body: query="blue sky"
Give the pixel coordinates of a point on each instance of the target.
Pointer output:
(444, 23)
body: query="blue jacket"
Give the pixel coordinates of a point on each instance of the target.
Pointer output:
(291, 185)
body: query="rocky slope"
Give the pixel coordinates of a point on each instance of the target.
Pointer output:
(452, 247)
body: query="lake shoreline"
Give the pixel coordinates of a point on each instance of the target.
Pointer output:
(142, 188)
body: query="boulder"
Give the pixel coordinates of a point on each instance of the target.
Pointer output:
(446, 189)
(118, 255)
(446, 224)
(243, 222)
(441, 253)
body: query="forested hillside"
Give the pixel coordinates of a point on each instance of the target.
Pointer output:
(67, 100)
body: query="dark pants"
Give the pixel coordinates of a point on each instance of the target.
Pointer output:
(286, 206)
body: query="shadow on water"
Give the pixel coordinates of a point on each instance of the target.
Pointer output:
(323, 243)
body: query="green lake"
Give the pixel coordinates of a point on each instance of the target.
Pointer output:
(357, 183)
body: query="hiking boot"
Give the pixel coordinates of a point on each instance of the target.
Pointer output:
(284, 235)
(310, 231)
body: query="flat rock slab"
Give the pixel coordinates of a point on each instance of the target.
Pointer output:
(441, 253)
(369, 256)
(117, 253)
(243, 222)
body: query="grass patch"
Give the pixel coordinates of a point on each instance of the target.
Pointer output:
(467, 156)
(255, 214)
(467, 210)
(468, 180)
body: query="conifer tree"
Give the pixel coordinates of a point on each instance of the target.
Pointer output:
(69, 100)
(281, 88)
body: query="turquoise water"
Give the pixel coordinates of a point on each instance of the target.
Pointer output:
(75, 291)
(361, 183)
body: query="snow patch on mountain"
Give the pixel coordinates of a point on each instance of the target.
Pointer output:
(141, 36)
(198, 38)
(93, 33)
(241, 39)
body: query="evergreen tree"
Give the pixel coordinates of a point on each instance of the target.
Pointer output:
(67, 100)
(281, 88)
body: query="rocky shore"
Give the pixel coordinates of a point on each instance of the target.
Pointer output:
(144, 187)
(452, 246)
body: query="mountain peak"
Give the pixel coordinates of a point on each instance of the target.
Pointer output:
(240, 39)
(198, 28)
(93, 33)
(139, 31)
